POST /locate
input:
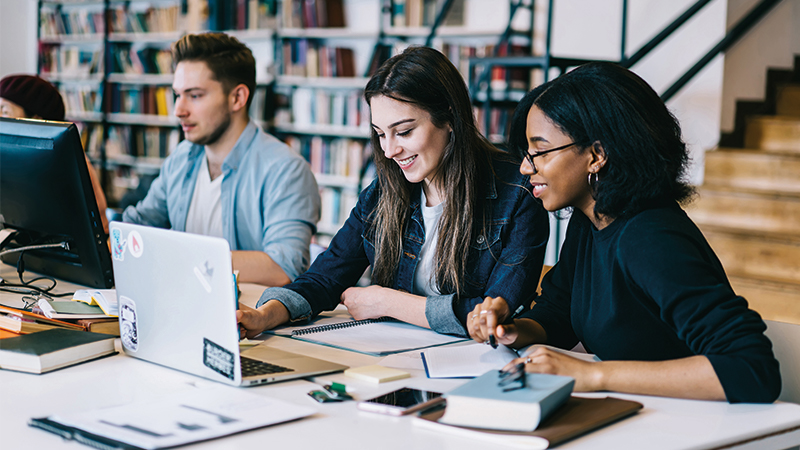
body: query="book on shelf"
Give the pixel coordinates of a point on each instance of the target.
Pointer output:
(137, 99)
(241, 14)
(311, 58)
(578, 416)
(53, 349)
(423, 13)
(82, 21)
(310, 106)
(313, 14)
(517, 409)
(70, 61)
(149, 60)
(25, 322)
(150, 19)
(141, 141)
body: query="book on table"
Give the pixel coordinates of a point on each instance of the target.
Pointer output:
(53, 349)
(67, 309)
(377, 337)
(105, 299)
(24, 322)
(514, 406)
(574, 418)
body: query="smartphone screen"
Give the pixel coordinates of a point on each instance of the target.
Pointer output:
(401, 401)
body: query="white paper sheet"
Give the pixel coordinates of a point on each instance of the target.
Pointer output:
(188, 416)
(465, 361)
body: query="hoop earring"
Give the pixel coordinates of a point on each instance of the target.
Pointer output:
(596, 179)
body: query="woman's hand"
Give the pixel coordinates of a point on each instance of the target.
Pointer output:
(484, 321)
(253, 322)
(587, 375)
(366, 302)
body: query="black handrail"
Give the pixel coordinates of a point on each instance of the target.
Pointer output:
(546, 61)
(731, 37)
(664, 34)
(438, 21)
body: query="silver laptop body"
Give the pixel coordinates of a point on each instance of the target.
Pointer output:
(177, 303)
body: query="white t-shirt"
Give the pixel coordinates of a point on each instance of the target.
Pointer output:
(424, 283)
(205, 211)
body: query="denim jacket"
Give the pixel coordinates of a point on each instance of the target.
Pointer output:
(270, 200)
(506, 261)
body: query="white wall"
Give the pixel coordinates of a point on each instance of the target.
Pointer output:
(773, 43)
(18, 49)
(591, 28)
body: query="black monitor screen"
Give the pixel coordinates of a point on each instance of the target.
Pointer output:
(46, 195)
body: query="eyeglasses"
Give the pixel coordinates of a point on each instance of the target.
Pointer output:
(544, 152)
(513, 379)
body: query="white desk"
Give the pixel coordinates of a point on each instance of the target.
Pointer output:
(662, 424)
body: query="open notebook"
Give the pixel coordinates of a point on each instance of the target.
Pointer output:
(377, 337)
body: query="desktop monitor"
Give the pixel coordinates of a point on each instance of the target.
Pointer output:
(46, 195)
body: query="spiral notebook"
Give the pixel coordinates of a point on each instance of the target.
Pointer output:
(377, 337)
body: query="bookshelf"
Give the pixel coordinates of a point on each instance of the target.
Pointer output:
(111, 62)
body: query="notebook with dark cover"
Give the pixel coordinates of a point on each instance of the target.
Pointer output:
(53, 349)
(576, 417)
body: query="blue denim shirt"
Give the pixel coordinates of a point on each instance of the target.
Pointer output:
(270, 200)
(504, 262)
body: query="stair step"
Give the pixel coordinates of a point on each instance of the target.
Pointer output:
(773, 133)
(769, 215)
(788, 100)
(753, 256)
(753, 171)
(774, 301)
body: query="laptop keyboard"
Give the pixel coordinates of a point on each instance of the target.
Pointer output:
(252, 367)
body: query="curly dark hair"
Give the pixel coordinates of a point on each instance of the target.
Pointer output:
(606, 103)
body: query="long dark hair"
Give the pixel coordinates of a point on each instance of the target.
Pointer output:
(425, 78)
(646, 157)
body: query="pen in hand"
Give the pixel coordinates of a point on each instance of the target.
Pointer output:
(509, 320)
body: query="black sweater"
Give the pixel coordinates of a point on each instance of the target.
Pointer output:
(650, 288)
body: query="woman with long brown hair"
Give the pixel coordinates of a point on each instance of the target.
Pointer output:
(448, 221)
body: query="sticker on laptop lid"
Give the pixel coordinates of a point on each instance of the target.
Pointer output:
(135, 244)
(118, 244)
(218, 359)
(205, 274)
(128, 325)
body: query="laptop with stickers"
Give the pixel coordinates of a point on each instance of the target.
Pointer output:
(177, 308)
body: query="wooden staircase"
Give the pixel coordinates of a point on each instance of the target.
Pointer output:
(749, 205)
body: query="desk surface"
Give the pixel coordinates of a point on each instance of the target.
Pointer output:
(662, 424)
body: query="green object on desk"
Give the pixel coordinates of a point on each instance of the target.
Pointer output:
(70, 307)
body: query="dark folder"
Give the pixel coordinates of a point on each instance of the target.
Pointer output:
(578, 416)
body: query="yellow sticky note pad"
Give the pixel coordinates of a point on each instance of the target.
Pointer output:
(376, 373)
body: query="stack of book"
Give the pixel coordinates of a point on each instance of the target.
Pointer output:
(94, 310)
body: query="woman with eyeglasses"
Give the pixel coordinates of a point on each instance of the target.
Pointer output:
(448, 221)
(636, 281)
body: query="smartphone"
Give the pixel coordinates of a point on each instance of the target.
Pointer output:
(402, 401)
